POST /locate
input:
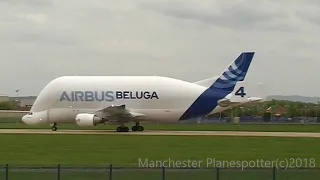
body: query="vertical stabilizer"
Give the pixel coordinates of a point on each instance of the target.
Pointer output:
(236, 72)
(220, 87)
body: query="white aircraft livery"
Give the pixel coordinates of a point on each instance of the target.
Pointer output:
(92, 100)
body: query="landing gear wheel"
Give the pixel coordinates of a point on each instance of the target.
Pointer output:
(122, 129)
(137, 127)
(54, 127)
(140, 128)
(134, 128)
(125, 129)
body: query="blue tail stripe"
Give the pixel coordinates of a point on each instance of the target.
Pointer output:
(223, 86)
(233, 71)
(232, 74)
(241, 65)
(232, 79)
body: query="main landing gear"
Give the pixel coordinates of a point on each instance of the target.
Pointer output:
(137, 127)
(123, 128)
(54, 127)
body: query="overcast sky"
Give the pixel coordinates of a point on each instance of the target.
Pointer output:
(186, 39)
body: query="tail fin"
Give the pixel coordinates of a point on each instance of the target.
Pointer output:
(235, 72)
(219, 88)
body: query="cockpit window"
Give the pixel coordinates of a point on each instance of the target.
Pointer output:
(30, 113)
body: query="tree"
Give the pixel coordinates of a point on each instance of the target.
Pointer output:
(7, 105)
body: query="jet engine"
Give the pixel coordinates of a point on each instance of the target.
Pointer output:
(85, 119)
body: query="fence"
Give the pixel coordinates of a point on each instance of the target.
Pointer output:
(123, 173)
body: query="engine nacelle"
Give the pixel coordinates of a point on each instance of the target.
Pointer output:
(86, 119)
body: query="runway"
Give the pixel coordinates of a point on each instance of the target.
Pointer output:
(163, 133)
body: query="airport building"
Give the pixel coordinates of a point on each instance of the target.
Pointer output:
(25, 102)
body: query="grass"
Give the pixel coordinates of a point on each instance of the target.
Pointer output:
(125, 150)
(122, 150)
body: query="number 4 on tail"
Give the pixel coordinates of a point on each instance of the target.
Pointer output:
(240, 92)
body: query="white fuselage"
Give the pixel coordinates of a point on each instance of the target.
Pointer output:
(158, 98)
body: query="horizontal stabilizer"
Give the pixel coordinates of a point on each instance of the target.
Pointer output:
(229, 102)
(243, 93)
(256, 99)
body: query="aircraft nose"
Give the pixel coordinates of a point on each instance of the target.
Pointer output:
(27, 119)
(24, 119)
(34, 119)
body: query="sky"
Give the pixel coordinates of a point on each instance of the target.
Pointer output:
(189, 40)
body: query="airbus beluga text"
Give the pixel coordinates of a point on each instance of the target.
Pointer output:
(92, 100)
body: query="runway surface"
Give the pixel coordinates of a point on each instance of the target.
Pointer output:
(163, 133)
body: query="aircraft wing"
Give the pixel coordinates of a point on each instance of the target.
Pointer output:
(117, 113)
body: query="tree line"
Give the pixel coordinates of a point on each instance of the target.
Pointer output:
(8, 105)
(288, 109)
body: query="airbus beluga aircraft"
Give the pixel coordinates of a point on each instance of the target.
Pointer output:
(93, 100)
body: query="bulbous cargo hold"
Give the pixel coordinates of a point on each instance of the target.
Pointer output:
(147, 92)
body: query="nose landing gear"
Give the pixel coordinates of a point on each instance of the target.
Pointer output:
(54, 127)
